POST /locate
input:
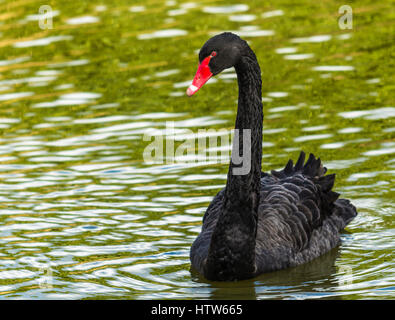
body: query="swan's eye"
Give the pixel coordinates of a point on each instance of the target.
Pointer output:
(213, 54)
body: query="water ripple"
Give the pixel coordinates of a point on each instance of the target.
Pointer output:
(83, 215)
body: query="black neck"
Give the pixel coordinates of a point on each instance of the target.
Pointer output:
(238, 218)
(243, 189)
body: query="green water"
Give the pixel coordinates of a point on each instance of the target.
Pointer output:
(82, 215)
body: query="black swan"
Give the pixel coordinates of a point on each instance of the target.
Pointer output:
(262, 222)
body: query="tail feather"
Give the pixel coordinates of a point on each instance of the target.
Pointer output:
(327, 182)
(312, 168)
(315, 171)
(345, 210)
(288, 168)
(300, 162)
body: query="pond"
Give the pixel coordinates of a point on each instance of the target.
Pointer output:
(86, 86)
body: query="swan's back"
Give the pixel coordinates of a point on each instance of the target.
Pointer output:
(299, 217)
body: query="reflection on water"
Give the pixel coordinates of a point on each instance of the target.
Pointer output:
(313, 39)
(313, 280)
(226, 9)
(83, 216)
(41, 42)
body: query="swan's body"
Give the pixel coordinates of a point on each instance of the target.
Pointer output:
(262, 222)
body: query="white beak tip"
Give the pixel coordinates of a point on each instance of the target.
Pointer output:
(191, 90)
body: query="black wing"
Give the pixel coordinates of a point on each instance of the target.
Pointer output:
(299, 217)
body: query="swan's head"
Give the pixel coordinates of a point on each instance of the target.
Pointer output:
(217, 54)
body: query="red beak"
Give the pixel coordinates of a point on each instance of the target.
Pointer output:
(202, 75)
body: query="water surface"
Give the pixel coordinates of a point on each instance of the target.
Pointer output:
(84, 216)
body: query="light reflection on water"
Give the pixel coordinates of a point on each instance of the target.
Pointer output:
(78, 200)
